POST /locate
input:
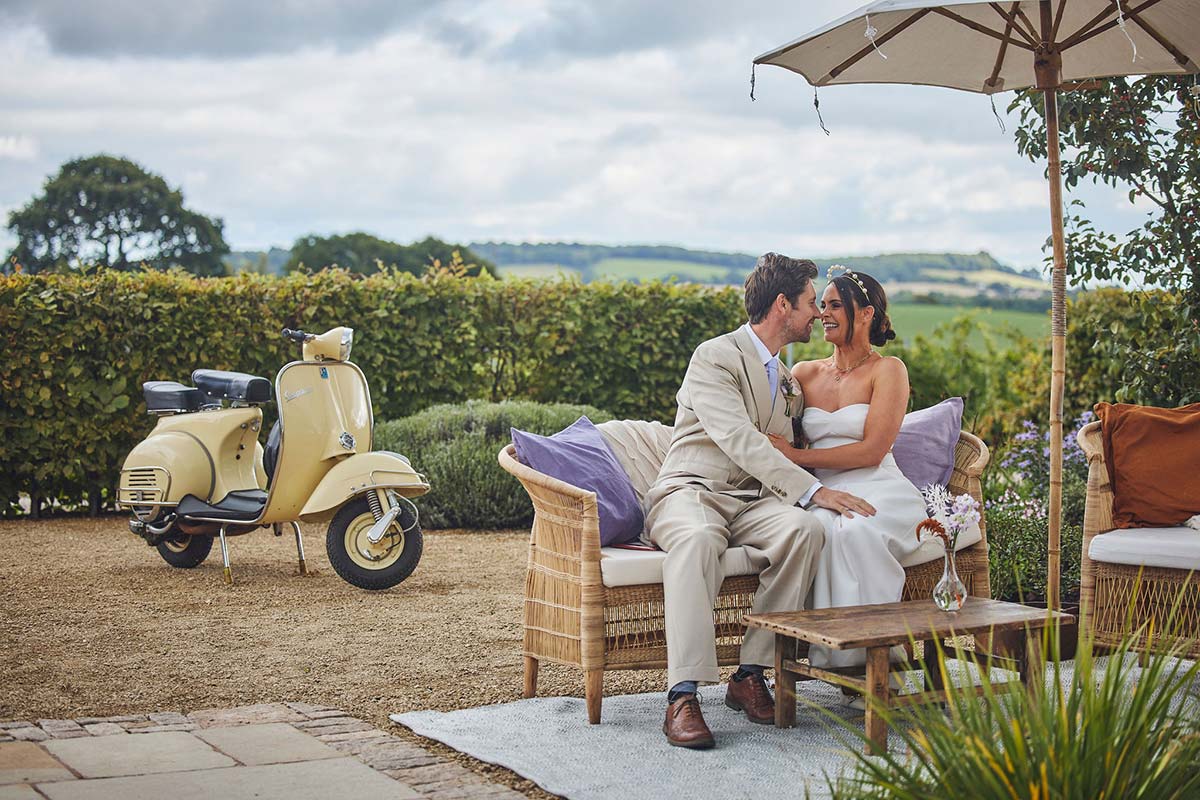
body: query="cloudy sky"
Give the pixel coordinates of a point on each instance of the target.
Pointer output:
(613, 122)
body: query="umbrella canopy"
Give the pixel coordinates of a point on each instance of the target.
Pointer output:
(993, 47)
(989, 47)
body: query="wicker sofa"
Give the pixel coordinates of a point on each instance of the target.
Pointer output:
(602, 609)
(1131, 579)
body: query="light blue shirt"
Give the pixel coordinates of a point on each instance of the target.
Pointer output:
(770, 362)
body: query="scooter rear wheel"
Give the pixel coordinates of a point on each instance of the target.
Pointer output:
(372, 566)
(185, 552)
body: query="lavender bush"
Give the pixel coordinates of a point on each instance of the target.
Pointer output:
(1018, 513)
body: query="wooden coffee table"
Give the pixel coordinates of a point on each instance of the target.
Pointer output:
(1012, 632)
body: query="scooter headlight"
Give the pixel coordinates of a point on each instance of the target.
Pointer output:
(333, 345)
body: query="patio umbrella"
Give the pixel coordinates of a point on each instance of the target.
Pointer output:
(993, 47)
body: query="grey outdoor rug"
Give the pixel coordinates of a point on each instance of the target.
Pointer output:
(549, 741)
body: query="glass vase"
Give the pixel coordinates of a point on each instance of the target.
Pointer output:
(950, 593)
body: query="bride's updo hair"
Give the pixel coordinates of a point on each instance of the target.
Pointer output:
(859, 290)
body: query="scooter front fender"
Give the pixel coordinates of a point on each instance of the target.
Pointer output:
(360, 472)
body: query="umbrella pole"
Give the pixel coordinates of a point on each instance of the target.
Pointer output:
(1058, 349)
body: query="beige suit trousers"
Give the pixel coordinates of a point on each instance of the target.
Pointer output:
(695, 526)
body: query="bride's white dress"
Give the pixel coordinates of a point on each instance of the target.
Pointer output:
(860, 563)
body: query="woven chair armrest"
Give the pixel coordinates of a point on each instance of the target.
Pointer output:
(977, 452)
(1091, 441)
(1098, 510)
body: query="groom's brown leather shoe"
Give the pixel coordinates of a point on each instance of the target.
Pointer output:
(685, 726)
(751, 695)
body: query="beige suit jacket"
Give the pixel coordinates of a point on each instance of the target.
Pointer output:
(725, 410)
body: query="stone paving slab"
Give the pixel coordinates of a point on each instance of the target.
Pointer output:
(19, 791)
(103, 729)
(314, 780)
(273, 743)
(25, 762)
(109, 756)
(245, 715)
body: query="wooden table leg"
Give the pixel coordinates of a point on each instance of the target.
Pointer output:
(1033, 664)
(933, 671)
(785, 683)
(877, 689)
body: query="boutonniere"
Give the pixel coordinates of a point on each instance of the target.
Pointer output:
(790, 393)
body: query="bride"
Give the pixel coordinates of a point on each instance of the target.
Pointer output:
(854, 404)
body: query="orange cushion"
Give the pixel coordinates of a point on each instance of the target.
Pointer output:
(1153, 458)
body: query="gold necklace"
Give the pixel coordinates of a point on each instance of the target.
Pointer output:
(841, 373)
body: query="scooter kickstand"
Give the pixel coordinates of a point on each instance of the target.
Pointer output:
(225, 558)
(300, 548)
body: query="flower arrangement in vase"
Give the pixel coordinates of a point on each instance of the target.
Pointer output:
(949, 516)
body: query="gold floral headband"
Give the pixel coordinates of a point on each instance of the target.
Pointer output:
(848, 273)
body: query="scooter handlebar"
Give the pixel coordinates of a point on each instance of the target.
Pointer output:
(299, 337)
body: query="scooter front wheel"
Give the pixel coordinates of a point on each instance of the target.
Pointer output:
(368, 565)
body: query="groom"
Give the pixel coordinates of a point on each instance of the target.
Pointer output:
(723, 485)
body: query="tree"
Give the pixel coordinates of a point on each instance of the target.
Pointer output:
(109, 211)
(364, 253)
(1140, 135)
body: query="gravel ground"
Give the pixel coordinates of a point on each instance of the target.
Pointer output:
(94, 623)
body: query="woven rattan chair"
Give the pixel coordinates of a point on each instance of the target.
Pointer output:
(572, 618)
(1118, 600)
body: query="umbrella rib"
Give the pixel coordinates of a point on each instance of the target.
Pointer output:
(1058, 18)
(1011, 19)
(991, 82)
(1029, 24)
(975, 26)
(879, 40)
(1087, 31)
(1180, 59)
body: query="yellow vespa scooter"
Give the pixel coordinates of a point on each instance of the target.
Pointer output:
(202, 472)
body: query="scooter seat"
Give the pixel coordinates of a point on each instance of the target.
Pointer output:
(223, 385)
(244, 505)
(171, 396)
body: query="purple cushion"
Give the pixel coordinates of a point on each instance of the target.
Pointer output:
(924, 448)
(579, 456)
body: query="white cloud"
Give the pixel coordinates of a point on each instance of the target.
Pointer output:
(19, 148)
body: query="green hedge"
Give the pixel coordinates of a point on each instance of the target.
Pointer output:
(78, 347)
(456, 446)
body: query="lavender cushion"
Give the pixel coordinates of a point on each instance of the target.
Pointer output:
(924, 448)
(579, 456)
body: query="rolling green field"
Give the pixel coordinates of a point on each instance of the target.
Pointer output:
(649, 269)
(987, 276)
(537, 271)
(912, 319)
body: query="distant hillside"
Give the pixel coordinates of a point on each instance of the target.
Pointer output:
(270, 262)
(648, 262)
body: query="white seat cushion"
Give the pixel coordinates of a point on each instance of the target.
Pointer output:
(932, 549)
(619, 567)
(1176, 548)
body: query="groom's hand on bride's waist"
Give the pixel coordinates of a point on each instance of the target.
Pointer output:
(843, 503)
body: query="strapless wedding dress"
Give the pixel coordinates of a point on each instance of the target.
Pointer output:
(860, 563)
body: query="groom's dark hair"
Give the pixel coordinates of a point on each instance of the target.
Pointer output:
(775, 275)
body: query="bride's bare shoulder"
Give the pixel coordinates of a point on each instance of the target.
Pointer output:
(805, 369)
